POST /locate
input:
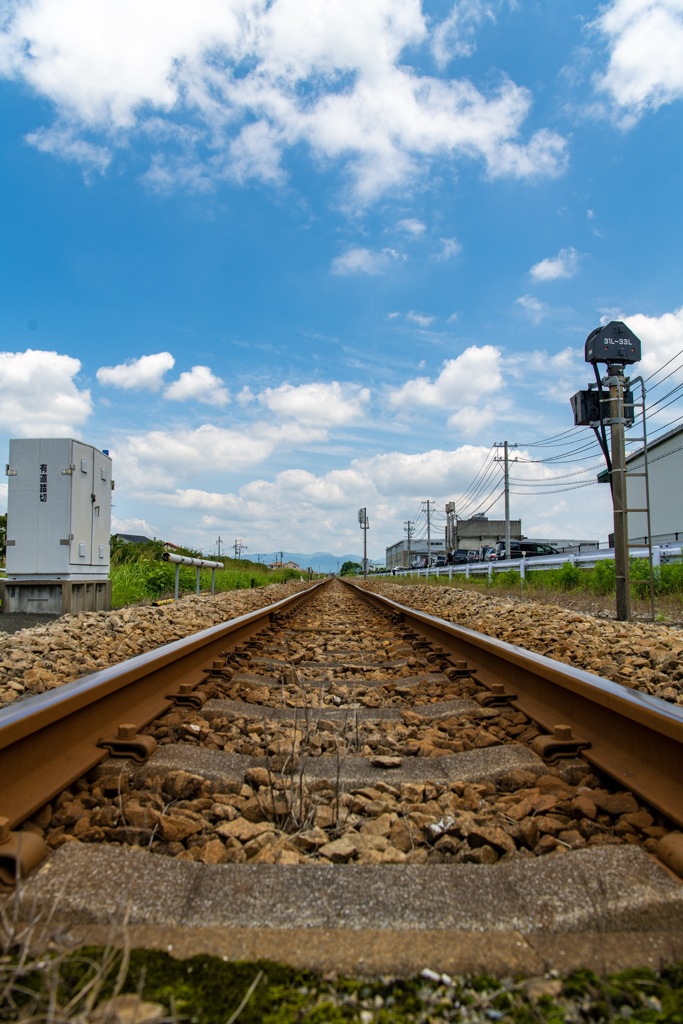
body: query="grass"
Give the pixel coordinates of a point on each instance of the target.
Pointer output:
(136, 582)
(79, 985)
(589, 590)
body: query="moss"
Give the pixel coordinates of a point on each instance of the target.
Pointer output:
(206, 989)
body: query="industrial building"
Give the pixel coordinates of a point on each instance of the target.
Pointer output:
(478, 531)
(665, 472)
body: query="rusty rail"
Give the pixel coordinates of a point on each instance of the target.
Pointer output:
(633, 737)
(48, 741)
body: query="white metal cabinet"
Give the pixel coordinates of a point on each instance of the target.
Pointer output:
(58, 509)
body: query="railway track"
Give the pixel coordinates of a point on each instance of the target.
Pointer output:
(344, 783)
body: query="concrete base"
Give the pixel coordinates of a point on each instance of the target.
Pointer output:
(55, 597)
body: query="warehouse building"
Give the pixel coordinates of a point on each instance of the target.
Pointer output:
(665, 471)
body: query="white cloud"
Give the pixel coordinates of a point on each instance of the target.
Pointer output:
(330, 404)
(450, 247)
(662, 341)
(141, 527)
(454, 36)
(473, 375)
(412, 226)
(565, 264)
(645, 69)
(145, 373)
(61, 141)
(359, 260)
(40, 397)
(422, 319)
(199, 384)
(533, 307)
(236, 85)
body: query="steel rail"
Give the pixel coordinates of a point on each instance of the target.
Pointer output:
(50, 740)
(635, 738)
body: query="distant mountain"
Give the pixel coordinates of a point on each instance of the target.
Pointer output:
(319, 561)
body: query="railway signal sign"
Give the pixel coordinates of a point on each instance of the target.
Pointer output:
(610, 402)
(615, 343)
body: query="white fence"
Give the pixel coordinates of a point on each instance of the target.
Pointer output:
(661, 553)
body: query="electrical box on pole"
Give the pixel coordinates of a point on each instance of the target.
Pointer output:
(590, 409)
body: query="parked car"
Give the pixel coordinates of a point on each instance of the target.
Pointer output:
(525, 549)
(439, 561)
(458, 557)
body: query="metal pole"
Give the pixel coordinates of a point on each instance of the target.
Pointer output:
(506, 478)
(618, 446)
(177, 578)
(365, 548)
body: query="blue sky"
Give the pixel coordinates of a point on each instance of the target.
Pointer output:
(289, 259)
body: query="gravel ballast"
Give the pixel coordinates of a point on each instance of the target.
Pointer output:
(647, 657)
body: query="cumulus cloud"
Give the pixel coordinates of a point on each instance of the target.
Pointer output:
(237, 85)
(145, 373)
(565, 264)
(40, 396)
(198, 384)
(359, 260)
(662, 340)
(645, 69)
(141, 527)
(319, 403)
(471, 376)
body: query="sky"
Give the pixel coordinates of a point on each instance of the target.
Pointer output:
(289, 259)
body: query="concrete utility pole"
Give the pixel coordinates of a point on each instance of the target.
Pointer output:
(239, 546)
(429, 504)
(506, 491)
(615, 379)
(218, 546)
(408, 529)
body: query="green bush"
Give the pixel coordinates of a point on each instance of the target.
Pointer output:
(603, 578)
(143, 579)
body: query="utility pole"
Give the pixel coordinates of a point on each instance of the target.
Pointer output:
(218, 545)
(239, 546)
(451, 526)
(429, 504)
(408, 529)
(365, 526)
(506, 490)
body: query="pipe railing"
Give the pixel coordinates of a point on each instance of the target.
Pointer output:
(198, 563)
